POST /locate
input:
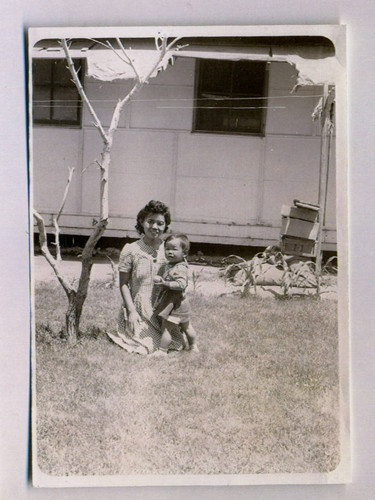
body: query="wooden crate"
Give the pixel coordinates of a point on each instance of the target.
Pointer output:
(299, 213)
(299, 228)
(298, 246)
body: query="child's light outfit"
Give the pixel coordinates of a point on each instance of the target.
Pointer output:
(173, 305)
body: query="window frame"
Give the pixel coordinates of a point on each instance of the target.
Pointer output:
(198, 92)
(52, 86)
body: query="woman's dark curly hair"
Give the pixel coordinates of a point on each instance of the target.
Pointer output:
(153, 207)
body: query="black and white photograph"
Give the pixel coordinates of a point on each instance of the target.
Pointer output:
(189, 255)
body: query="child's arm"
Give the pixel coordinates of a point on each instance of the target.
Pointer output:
(178, 283)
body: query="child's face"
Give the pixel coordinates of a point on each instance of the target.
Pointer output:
(174, 251)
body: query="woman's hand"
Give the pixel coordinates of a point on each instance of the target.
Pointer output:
(133, 320)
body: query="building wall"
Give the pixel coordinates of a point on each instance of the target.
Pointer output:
(221, 188)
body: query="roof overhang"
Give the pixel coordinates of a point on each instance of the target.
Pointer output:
(314, 57)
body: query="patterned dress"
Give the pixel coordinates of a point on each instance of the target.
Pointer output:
(143, 262)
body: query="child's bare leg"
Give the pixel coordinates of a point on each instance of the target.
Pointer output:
(191, 335)
(165, 341)
(185, 341)
(166, 337)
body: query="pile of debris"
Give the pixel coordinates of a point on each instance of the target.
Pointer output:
(274, 268)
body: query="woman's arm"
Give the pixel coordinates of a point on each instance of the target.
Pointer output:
(133, 316)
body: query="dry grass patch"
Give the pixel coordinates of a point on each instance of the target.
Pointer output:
(260, 397)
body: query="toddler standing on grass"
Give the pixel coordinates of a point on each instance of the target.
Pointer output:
(173, 306)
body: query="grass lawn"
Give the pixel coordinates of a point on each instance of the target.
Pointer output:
(260, 397)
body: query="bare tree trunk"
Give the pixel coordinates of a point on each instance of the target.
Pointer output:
(72, 318)
(76, 298)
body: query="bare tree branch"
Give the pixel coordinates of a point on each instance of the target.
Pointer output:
(108, 45)
(163, 48)
(88, 166)
(135, 89)
(81, 91)
(55, 220)
(158, 44)
(57, 239)
(71, 172)
(129, 60)
(126, 60)
(77, 296)
(173, 42)
(47, 254)
(107, 137)
(99, 42)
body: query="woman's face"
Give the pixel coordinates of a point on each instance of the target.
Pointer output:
(154, 226)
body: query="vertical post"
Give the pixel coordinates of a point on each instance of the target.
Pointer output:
(326, 132)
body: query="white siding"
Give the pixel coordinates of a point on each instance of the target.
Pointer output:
(217, 178)
(293, 113)
(104, 96)
(54, 151)
(138, 173)
(291, 171)
(223, 188)
(163, 107)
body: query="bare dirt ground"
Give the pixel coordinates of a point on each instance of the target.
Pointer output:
(70, 268)
(204, 279)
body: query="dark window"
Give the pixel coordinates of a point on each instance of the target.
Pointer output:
(56, 100)
(230, 96)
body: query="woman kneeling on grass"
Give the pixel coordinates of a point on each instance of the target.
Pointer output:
(139, 329)
(173, 306)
